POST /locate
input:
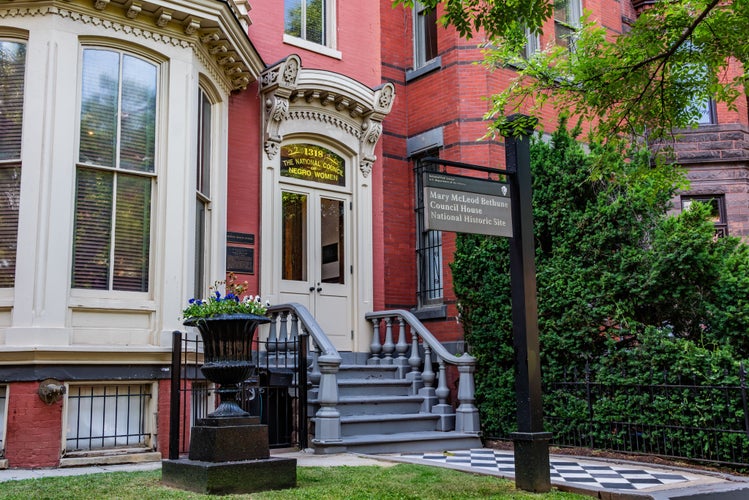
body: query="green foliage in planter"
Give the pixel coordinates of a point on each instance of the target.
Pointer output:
(623, 288)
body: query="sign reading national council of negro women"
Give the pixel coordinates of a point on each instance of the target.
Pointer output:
(466, 205)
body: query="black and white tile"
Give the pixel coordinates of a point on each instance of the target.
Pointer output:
(562, 469)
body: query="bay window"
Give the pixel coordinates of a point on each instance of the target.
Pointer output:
(115, 172)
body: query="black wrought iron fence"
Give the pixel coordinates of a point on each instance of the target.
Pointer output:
(276, 391)
(684, 419)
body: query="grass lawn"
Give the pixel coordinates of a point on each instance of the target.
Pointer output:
(403, 481)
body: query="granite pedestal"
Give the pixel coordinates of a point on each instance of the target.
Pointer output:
(229, 455)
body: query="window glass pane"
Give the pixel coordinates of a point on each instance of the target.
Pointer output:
(425, 35)
(10, 192)
(99, 94)
(705, 109)
(12, 65)
(138, 114)
(293, 17)
(532, 44)
(294, 236)
(132, 233)
(561, 10)
(429, 19)
(315, 15)
(92, 236)
(200, 285)
(715, 204)
(204, 146)
(203, 174)
(331, 228)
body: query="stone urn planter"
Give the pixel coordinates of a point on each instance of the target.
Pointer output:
(227, 351)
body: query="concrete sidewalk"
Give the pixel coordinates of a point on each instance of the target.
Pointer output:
(604, 479)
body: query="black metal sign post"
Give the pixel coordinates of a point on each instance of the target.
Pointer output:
(531, 444)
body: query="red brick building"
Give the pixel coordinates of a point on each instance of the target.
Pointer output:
(148, 148)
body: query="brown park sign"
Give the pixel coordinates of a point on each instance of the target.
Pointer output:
(466, 205)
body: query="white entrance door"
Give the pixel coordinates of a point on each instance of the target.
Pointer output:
(315, 258)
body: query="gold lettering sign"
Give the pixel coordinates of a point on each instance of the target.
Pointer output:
(313, 163)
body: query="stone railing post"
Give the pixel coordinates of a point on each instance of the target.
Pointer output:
(327, 418)
(467, 415)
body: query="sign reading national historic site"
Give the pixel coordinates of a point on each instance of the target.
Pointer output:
(313, 163)
(466, 205)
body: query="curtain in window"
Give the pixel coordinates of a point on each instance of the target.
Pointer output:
(113, 197)
(91, 244)
(12, 68)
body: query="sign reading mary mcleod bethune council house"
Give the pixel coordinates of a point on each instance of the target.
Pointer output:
(466, 205)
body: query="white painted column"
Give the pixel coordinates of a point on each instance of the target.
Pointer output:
(47, 189)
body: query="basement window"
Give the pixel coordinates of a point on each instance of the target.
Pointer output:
(108, 416)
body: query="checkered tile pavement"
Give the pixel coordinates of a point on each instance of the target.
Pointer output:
(562, 469)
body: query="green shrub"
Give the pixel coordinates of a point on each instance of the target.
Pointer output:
(624, 290)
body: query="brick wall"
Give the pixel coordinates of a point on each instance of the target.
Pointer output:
(453, 98)
(36, 445)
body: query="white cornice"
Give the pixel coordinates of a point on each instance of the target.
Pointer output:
(215, 27)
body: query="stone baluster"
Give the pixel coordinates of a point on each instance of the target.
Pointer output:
(375, 347)
(313, 377)
(327, 418)
(283, 333)
(272, 339)
(314, 368)
(467, 415)
(388, 347)
(400, 348)
(414, 376)
(294, 337)
(444, 410)
(427, 376)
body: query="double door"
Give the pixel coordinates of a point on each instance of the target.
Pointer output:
(315, 258)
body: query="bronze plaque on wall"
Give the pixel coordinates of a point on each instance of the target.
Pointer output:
(240, 260)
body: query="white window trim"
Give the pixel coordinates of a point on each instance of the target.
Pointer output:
(311, 46)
